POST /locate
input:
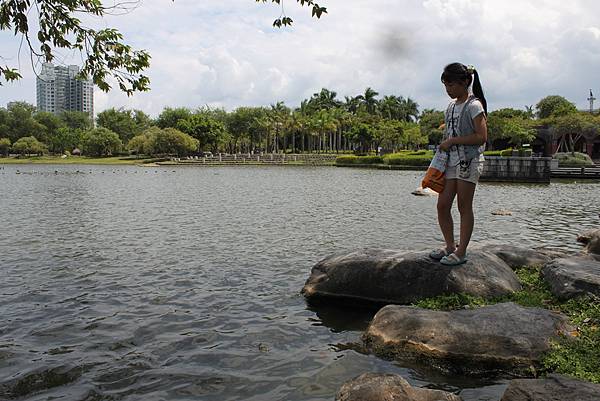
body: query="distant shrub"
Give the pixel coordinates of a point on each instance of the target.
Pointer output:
(573, 160)
(492, 153)
(525, 152)
(346, 159)
(409, 158)
(352, 159)
(506, 152)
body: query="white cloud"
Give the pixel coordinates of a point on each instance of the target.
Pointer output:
(227, 54)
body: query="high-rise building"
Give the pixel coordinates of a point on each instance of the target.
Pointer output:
(59, 89)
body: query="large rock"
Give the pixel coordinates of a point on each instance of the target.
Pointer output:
(516, 256)
(502, 337)
(388, 387)
(572, 277)
(389, 276)
(553, 388)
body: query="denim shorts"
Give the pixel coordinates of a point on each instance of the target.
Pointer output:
(474, 172)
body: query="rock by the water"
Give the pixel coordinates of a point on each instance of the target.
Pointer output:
(585, 236)
(388, 387)
(516, 256)
(553, 388)
(572, 277)
(503, 337)
(389, 276)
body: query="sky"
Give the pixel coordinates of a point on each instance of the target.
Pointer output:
(227, 54)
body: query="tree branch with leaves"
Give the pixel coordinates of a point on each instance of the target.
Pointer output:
(106, 57)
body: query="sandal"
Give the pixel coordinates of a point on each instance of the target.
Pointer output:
(453, 260)
(438, 254)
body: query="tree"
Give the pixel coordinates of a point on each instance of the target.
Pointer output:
(554, 106)
(77, 120)
(50, 124)
(173, 141)
(325, 99)
(66, 139)
(168, 141)
(387, 133)
(208, 131)
(101, 142)
(430, 123)
(170, 117)
(412, 136)
(363, 134)
(20, 122)
(29, 145)
(369, 101)
(60, 29)
(4, 146)
(511, 125)
(571, 127)
(126, 123)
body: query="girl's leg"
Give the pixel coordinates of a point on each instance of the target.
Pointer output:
(444, 212)
(465, 191)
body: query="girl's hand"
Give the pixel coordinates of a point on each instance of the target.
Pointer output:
(447, 144)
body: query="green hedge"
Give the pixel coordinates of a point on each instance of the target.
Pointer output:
(352, 159)
(573, 160)
(508, 152)
(409, 158)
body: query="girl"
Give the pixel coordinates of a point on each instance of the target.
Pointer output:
(465, 136)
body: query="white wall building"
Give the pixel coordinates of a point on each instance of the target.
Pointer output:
(58, 89)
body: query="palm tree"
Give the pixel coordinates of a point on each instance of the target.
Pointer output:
(410, 109)
(352, 103)
(368, 99)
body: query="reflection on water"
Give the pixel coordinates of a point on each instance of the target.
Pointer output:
(180, 284)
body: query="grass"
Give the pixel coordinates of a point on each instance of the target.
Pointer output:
(73, 160)
(579, 357)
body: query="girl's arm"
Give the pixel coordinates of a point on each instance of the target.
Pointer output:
(479, 137)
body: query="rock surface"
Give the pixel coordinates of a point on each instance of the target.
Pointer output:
(389, 276)
(572, 277)
(388, 387)
(503, 337)
(553, 388)
(516, 256)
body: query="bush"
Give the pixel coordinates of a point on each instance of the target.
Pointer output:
(352, 159)
(346, 159)
(573, 160)
(525, 152)
(409, 158)
(506, 152)
(492, 153)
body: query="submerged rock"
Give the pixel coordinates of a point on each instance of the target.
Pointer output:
(498, 338)
(389, 276)
(572, 277)
(388, 387)
(553, 388)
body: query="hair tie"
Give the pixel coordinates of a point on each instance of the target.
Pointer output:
(470, 69)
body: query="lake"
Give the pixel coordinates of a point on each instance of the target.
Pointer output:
(132, 283)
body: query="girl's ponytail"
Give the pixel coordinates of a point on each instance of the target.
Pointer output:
(478, 90)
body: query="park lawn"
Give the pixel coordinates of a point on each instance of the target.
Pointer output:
(71, 160)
